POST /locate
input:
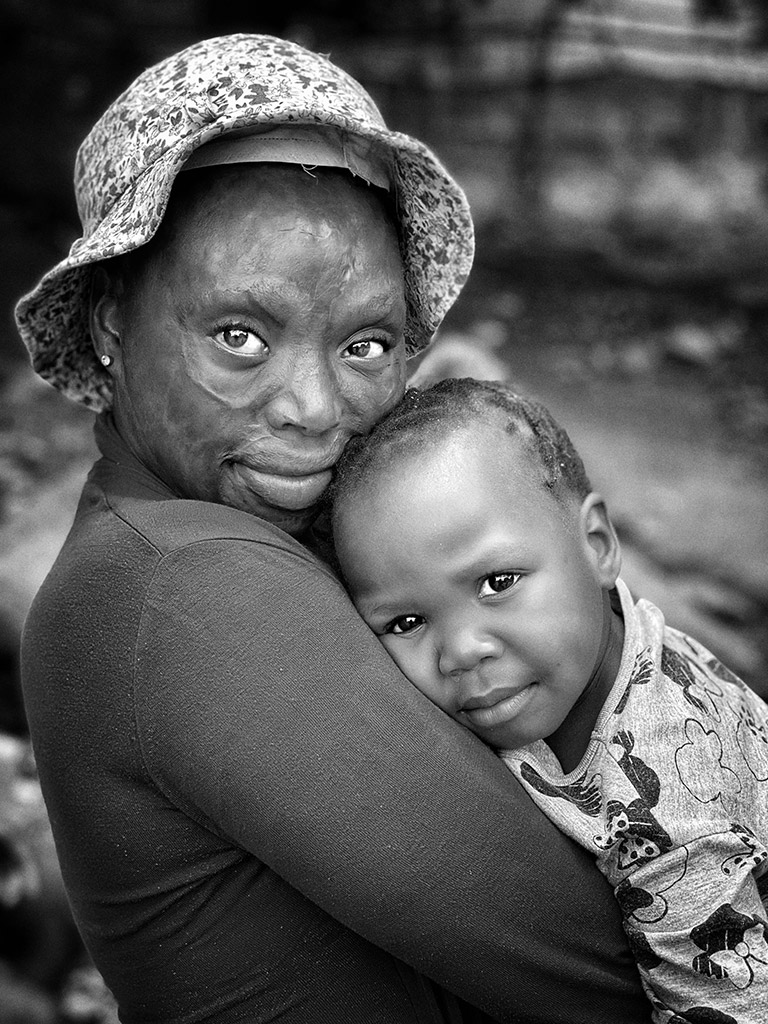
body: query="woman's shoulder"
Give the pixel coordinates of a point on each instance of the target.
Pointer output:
(127, 508)
(200, 536)
(129, 517)
(177, 523)
(123, 548)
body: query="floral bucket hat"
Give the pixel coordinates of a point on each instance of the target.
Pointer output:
(234, 86)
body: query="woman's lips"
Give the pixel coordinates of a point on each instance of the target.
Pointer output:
(285, 492)
(485, 715)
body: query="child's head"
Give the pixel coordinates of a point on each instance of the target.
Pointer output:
(472, 544)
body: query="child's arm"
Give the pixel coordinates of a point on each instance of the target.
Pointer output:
(672, 821)
(697, 926)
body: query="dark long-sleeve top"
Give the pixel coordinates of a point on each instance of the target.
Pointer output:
(259, 819)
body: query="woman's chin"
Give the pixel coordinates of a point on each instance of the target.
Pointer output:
(235, 492)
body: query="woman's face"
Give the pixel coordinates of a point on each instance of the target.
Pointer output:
(261, 332)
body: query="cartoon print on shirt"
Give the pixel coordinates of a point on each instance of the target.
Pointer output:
(642, 673)
(752, 741)
(700, 766)
(751, 734)
(734, 946)
(641, 948)
(631, 827)
(635, 833)
(755, 854)
(584, 793)
(699, 690)
(700, 1015)
(646, 906)
(643, 778)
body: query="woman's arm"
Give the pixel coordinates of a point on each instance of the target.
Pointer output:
(282, 721)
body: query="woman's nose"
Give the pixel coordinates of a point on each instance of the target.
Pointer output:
(463, 649)
(307, 395)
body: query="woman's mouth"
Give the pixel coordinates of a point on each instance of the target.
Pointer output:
(279, 491)
(486, 712)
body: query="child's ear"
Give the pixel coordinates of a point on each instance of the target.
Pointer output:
(599, 533)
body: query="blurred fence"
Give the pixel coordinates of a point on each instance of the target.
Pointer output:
(627, 129)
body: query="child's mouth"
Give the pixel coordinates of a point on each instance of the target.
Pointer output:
(493, 709)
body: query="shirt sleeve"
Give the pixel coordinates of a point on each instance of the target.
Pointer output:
(694, 953)
(267, 710)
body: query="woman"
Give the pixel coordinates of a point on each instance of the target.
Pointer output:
(240, 836)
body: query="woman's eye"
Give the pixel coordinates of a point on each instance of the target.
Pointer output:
(369, 348)
(496, 582)
(404, 624)
(241, 341)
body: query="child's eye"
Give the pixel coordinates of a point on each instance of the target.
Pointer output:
(496, 582)
(404, 624)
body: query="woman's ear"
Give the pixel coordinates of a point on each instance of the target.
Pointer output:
(600, 535)
(104, 321)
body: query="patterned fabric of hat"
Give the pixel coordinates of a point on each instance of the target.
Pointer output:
(126, 166)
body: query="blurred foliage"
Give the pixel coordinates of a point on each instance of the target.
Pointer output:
(45, 975)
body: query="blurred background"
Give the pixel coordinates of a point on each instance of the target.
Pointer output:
(615, 154)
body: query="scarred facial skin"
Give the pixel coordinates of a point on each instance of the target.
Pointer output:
(262, 331)
(490, 595)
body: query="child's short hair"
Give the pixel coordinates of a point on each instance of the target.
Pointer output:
(422, 416)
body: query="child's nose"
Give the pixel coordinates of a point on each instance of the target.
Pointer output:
(463, 649)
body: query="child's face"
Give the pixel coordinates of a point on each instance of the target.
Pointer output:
(489, 594)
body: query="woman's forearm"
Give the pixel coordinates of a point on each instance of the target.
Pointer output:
(313, 753)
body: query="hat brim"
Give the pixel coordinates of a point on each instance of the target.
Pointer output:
(434, 225)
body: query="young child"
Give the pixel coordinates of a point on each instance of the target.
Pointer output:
(473, 545)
